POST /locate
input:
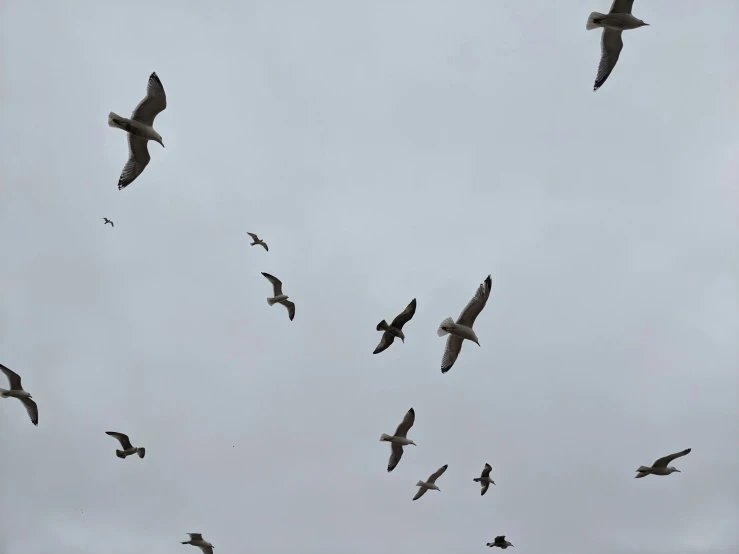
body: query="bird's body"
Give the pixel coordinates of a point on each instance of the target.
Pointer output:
(484, 479)
(500, 542)
(461, 330)
(16, 391)
(395, 329)
(196, 539)
(107, 221)
(140, 130)
(617, 20)
(257, 240)
(279, 297)
(399, 439)
(661, 466)
(127, 448)
(430, 483)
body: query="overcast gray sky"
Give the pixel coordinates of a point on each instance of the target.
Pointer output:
(385, 150)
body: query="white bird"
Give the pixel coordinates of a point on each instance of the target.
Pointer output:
(430, 483)
(196, 539)
(613, 23)
(500, 542)
(395, 329)
(484, 479)
(399, 439)
(128, 449)
(462, 329)
(16, 391)
(279, 298)
(257, 240)
(107, 221)
(140, 130)
(660, 466)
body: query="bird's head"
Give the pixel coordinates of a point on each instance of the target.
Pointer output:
(402, 336)
(160, 142)
(413, 443)
(673, 470)
(642, 24)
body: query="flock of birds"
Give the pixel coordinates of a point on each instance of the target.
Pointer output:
(139, 129)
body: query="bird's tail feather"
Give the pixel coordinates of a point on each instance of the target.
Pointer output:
(448, 322)
(591, 24)
(120, 454)
(271, 301)
(382, 326)
(476, 479)
(419, 484)
(4, 392)
(643, 469)
(141, 452)
(384, 437)
(489, 544)
(115, 120)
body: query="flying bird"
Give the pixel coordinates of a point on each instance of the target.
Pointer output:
(462, 329)
(500, 542)
(140, 130)
(196, 539)
(16, 391)
(430, 483)
(399, 439)
(128, 449)
(613, 23)
(257, 240)
(279, 298)
(395, 329)
(660, 466)
(107, 221)
(484, 479)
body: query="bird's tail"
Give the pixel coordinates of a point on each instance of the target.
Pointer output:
(271, 301)
(115, 120)
(141, 452)
(419, 484)
(185, 542)
(120, 454)
(448, 322)
(593, 21)
(643, 469)
(476, 479)
(4, 393)
(384, 437)
(382, 326)
(489, 544)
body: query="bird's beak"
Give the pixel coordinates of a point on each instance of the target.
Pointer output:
(678, 471)
(478, 343)
(493, 482)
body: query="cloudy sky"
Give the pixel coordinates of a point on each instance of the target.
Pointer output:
(386, 151)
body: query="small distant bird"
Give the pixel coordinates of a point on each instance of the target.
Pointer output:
(484, 479)
(128, 449)
(462, 329)
(140, 130)
(257, 240)
(107, 221)
(613, 23)
(196, 539)
(16, 391)
(660, 466)
(500, 542)
(399, 439)
(395, 329)
(278, 297)
(430, 483)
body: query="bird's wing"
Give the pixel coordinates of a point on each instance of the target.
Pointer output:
(13, 378)
(207, 549)
(290, 308)
(663, 462)
(420, 492)
(253, 236)
(138, 159)
(396, 453)
(610, 49)
(31, 408)
(386, 340)
(475, 306)
(486, 470)
(451, 351)
(405, 316)
(276, 283)
(112, 224)
(123, 439)
(621, 6)
(265, 245)
(153, 103)
(408, 421)
(196, 536)
(438, 473)
(485, 487)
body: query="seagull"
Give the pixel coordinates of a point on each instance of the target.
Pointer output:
(196, 539)
(107, 221)
(395, 329)
(16, 391)
(500, 542)
(140, 130)
(484, 479)
(660, 466)
(128, 450)
(257, 240)
(279, 298)
(613, 23)
(430, 483)
(399, 439)
(462, 329)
